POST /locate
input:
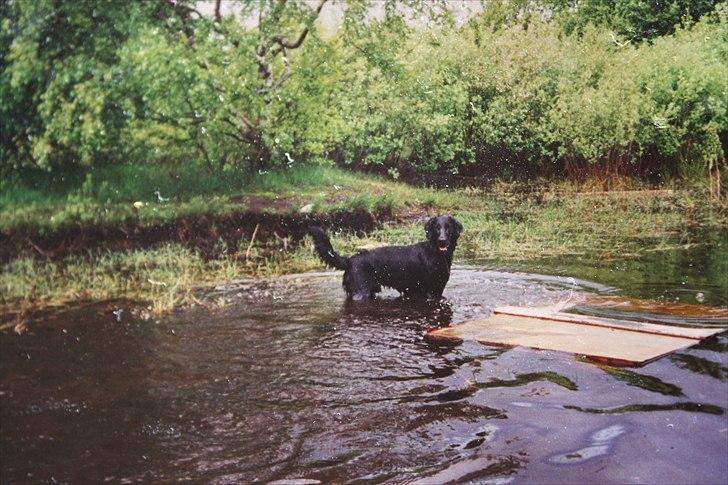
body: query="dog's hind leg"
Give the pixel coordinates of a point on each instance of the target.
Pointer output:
(359, 282)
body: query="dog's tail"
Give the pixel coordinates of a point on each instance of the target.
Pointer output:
(325, 251)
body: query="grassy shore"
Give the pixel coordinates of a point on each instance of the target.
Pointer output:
(502, 223)
(38, 203)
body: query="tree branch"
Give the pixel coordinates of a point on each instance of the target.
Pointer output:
(200, 144)
(183, 10)
(272, 18)
(286, 71)
(234, 136)
(284, 44)
(245, 120)
(218, 16)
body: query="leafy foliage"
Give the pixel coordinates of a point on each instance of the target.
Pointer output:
(533, 100)
(636, 20)
(61, 82)
(527, 87)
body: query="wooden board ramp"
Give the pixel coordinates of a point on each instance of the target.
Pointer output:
(617, 342)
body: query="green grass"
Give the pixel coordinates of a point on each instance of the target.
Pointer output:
(132, 182)
(162, 276)
(38, 203)
(507, 227)
(501, 225)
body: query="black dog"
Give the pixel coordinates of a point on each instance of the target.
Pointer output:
(420, 270)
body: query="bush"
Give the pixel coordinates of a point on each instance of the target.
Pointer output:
(61, 83)
(528, 88)
(531, 100)
(402, 101)
(635, 20)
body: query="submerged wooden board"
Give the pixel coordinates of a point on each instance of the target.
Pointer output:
(616, 345)
(549, 313)
(681, 311)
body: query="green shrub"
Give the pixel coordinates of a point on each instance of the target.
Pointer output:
(527, 88)
(401, 99)
(634, 19)
(61, 84)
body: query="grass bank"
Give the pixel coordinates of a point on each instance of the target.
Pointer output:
(502, 224)
(133, 207)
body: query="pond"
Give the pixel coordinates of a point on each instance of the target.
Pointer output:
(289, 382)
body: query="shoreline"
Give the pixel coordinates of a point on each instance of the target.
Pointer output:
(162, 264)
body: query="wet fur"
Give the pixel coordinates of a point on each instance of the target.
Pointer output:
(420, 270)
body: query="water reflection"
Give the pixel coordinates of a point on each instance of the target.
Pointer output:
(695, 274)
(700, 365)
(682, 315)
(643, 381)
(429, 313)
(682, 406)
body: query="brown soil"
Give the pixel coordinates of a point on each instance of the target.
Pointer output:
(259, 204)
(202, 232)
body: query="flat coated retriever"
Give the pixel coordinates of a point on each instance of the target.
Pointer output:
(419, 270)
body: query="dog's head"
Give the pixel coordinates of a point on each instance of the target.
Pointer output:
(443, 233)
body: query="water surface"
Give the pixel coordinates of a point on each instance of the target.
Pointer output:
(287, 381)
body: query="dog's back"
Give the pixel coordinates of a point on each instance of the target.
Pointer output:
(411, 270)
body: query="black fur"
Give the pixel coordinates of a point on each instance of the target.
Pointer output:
(420, 270)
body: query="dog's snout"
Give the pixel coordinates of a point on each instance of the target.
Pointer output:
(443, 239)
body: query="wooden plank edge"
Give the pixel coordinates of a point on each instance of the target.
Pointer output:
(614, 362)
(438, 334)
(542, 313)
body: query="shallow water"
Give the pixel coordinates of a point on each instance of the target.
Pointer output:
(289, 382)
(698, 275)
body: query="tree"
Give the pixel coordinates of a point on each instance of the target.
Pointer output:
(60, 83)
(223, 87)
(86, 81)
(636, 20)
(282, 27)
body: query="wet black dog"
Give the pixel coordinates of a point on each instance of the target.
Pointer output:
(420, 270)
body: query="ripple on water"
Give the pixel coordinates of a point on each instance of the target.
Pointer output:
(289, 382)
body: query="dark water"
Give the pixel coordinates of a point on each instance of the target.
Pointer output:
(287, 382)
(698, 275)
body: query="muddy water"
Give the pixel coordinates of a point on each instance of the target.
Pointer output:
(288, 382)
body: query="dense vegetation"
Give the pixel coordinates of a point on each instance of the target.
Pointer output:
(524, 88)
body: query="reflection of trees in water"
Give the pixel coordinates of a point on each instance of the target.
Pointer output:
(671, 275)
(643, 381)
(700, 365)
(631, 408)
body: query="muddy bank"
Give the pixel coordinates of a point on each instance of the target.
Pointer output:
(202, 232)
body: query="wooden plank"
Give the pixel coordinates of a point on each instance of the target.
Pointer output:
(618, 346)
(664, 313)
(552, 314)
(679, 310)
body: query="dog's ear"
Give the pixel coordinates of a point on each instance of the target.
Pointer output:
(458, 226)
(430, 227)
